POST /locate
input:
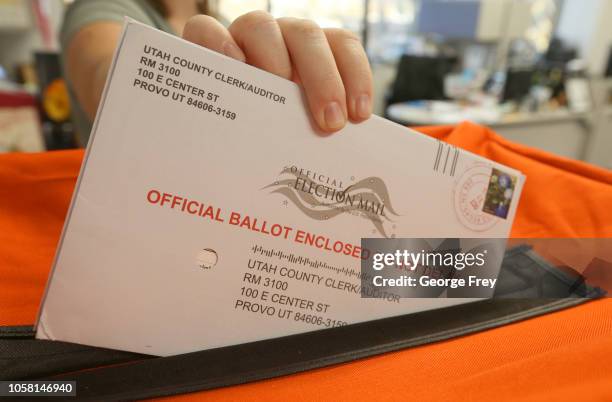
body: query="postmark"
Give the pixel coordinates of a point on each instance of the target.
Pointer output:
(469, 198)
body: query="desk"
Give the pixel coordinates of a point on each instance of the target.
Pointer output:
(423, 113)
(561, 131)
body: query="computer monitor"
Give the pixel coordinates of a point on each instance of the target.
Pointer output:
(518, 83)
(420, 78)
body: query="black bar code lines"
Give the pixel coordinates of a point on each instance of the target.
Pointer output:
(446, 158)
(305, 261)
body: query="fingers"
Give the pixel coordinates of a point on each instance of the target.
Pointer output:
(355, 71)
(330, 64)
(314, 61)
(208, 32)
(261, 39)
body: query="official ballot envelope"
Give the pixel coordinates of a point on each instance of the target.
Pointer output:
(210, 212)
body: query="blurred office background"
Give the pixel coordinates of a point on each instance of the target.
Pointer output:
(539, 72)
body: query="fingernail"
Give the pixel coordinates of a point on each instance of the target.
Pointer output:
(363, 108)
(233, 51)
(334, 118)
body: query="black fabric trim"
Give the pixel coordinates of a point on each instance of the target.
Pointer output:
(22, 331)
(239, 364)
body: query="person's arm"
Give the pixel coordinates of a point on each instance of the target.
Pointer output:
(88, 58)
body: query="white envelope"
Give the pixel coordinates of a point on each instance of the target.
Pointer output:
(209, 212)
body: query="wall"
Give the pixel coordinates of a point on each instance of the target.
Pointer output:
(585, 24)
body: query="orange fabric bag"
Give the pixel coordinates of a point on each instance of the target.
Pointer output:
(559, 356)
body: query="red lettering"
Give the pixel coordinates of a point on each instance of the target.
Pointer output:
(156, 194)
(234, 218)
(175, 201)
(165, 198)
(192, 211)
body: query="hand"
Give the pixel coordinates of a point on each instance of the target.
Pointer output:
(330, 64)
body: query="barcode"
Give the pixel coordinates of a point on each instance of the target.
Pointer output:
(446, 158)
(305, 261)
